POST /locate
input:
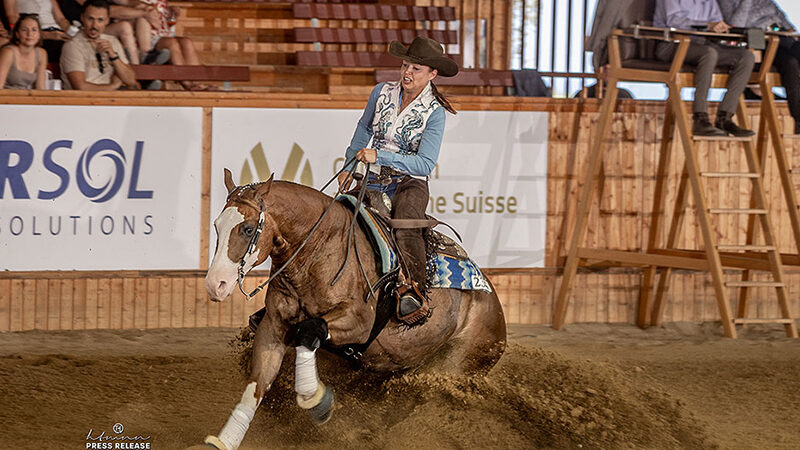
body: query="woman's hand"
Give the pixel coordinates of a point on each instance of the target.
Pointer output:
(367, 155)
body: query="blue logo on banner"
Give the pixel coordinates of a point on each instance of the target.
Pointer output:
(108, 149)
(97, 191)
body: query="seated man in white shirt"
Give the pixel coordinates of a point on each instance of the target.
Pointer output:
(92, 60)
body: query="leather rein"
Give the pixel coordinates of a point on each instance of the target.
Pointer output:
(394, 223)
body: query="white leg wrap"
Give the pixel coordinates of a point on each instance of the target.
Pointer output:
(234, 430)
(306, 381)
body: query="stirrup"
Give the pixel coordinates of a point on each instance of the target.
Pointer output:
(412, 306)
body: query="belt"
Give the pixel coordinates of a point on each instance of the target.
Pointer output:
(386, 174)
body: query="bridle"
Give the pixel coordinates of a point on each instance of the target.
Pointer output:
(251, 246)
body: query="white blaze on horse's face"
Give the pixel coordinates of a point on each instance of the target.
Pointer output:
(222, 275)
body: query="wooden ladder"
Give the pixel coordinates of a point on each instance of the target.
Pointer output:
(751, 256)
(714, 256)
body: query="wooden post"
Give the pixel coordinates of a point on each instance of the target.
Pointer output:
(462, 27)
(715, 265)
(205, 189)
(769, 110)
(655, 220)
(766, 227)
(584, 202)
(752, 231)
(672, 239)
(477, 9)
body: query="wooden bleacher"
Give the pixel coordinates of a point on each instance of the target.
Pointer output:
(328, 47)
(481, 81)
(372, 12)
(466, 77)
(472, 81)
(224, 74)
(370, 35)
(265, 33)
(286, 1)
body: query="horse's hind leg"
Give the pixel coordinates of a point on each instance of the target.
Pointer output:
(480, 337)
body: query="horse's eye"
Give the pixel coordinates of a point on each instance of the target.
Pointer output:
(248, 230)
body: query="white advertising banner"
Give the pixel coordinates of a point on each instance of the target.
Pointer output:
(490, 183)
(99, 188)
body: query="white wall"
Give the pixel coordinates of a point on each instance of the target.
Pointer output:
(792, 9)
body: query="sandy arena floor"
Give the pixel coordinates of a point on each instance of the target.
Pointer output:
(592, 386)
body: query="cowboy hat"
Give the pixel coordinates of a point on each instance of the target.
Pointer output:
(427, 52)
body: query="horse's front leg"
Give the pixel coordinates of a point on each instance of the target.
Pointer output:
(342, 325)
(268, 352)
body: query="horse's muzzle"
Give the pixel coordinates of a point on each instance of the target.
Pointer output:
(218, 289)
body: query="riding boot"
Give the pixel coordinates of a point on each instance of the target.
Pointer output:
(412, 248)
(410, 201)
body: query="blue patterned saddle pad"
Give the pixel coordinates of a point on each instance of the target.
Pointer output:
(445, 271)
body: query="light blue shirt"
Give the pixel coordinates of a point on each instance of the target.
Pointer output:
(684, 14)
(420, 164)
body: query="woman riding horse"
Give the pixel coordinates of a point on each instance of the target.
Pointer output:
(305, 234)
(405, 120)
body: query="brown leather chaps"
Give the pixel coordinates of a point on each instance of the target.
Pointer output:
(410, 201)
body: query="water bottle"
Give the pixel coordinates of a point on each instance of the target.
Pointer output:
(74, 29)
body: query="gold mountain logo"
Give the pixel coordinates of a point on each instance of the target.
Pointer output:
(291, 171)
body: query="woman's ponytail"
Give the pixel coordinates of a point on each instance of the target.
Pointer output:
(442, 99)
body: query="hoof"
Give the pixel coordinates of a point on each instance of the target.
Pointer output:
(323, 411)
(320, 406)
(213, 442)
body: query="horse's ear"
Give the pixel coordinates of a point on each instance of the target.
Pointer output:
(263, 189)
(229, 184)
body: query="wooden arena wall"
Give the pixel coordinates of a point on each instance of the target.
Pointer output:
(68, 300)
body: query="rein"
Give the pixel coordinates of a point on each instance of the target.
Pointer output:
(251, 247)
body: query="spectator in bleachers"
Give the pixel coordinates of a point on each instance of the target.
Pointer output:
(23, 62)
(5, 36)
(706, 56)
(53, 22)
(765, 14)
(93, 60)
(131, 24)
(181, 48)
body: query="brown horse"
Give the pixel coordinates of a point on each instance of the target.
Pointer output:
(466, 332)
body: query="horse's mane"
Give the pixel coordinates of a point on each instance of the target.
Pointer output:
(282, 188)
